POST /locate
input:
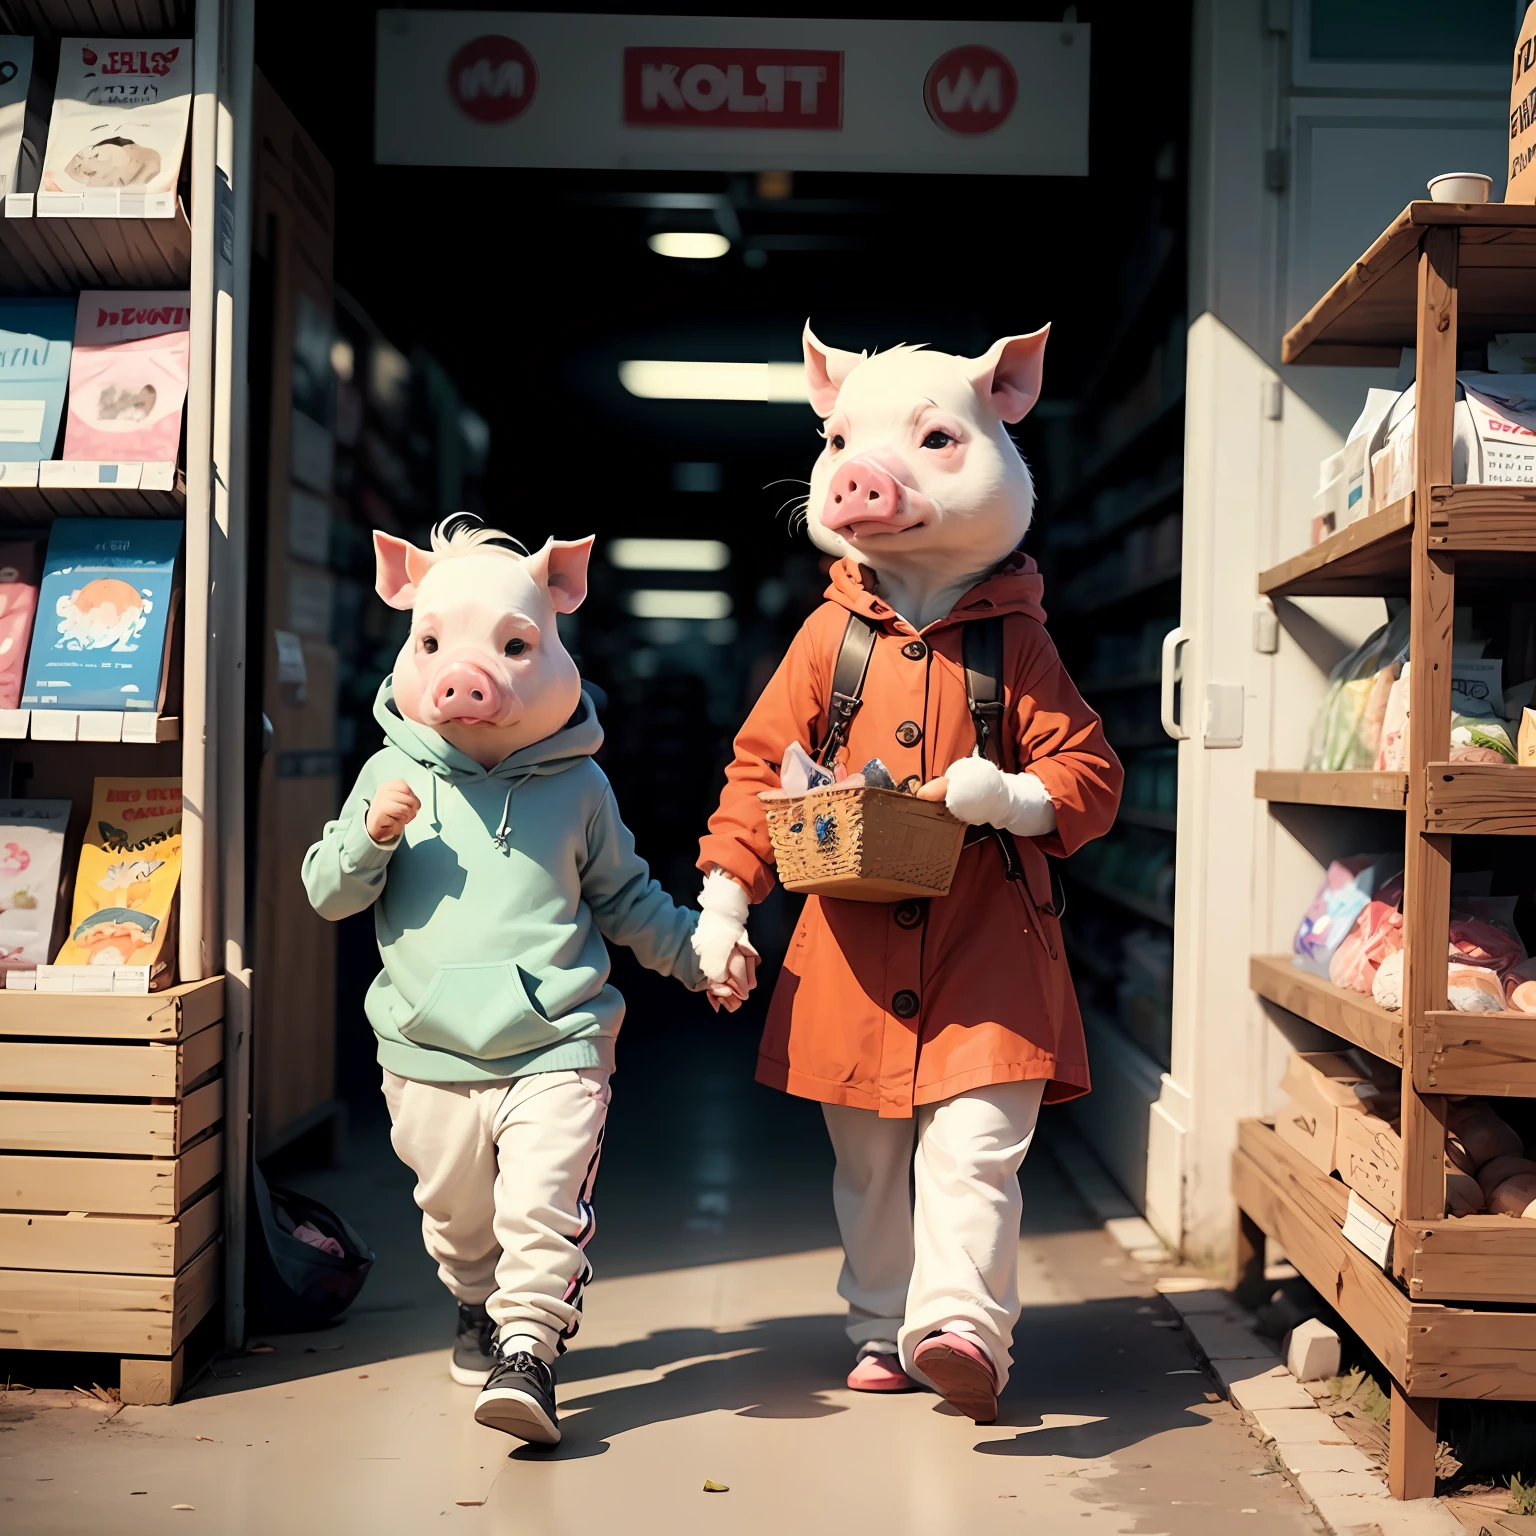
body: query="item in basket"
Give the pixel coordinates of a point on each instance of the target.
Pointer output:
(876, 775)
(1340, 899)
(128, 377)
(35, 345)
(19, 569)
(118, 128)
(31, 859)
(799, 771)
(99, 639)
(127, 878)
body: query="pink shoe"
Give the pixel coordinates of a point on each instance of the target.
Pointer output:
(961, 1374)
(880, 1373)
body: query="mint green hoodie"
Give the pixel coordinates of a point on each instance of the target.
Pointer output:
(492, 907)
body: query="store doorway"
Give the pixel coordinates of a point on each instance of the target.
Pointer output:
(519, 296)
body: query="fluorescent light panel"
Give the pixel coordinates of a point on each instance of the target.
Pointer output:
(670, 603)
(781, 383)
(690, 244)
(669, 554)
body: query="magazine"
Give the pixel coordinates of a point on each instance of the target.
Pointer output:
(128, 377)
(35, 343)
(31, 860)
(18, 604)
(126, 880)
(118, 129)
(99, 639)
(15, 85)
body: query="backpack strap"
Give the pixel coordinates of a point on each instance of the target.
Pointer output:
(848, 676)
(981, 651)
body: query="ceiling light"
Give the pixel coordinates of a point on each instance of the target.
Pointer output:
(655, 380)
(669, 554)
(690, 244)
(670, 603)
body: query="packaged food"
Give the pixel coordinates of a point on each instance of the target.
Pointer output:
(1347, 731)
(1378, 932)
(1525, 747)
(1339, 901)
(1474, 989)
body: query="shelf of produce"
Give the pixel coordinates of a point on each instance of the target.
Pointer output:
(177, 1013)
(31, 505)
(43, 256)
(1492, 1054)
(1366, 559)
(1371, 313)
(1140, 905)
(1430, 1350)
(1487, 798)
(1351, 1015)
(1362, 789)
(1158, 821)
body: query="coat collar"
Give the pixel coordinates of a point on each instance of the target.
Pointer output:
(1014, 585)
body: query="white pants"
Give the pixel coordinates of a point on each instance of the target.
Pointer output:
(951, 1255)
(504, 1174)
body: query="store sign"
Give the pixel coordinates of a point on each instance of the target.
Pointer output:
(486, 88)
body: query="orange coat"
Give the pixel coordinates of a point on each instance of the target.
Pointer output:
(884, 1006)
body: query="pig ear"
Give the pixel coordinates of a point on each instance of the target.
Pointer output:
(825, 370)
(1008, 375)
(399, 568)
(561, 566)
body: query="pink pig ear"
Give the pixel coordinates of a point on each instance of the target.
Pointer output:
(825, 370)
(399, 568)
(1008, 374)
(561, 566)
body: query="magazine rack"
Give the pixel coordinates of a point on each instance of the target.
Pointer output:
(1442, 276)
(118, 1231)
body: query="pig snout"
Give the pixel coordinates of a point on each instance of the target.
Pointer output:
(464, 691)
(861, 492)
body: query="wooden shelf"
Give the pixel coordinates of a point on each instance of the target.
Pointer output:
(27, 505)
(1361, 560)
(175, 1014)
(1364, 789)
(1351, 1015)
(1467, 1258)
(1431, 1350)
(1127, 899)
(1371, 313)
(43, 256)
(1158, 821)
(1476, 1053)
(1489, 798)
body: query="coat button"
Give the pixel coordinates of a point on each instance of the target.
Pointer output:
(909, 914)
(914, 650)
(904, 1004)
(909, 733)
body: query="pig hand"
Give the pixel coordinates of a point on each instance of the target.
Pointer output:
(740, 978)
(982, 795)
(393, 808)
(721, 929)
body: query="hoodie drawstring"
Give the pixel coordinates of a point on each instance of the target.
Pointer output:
(500, 839)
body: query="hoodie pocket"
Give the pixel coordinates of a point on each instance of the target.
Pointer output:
(483, 1010)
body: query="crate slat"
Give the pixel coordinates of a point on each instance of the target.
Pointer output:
(109, 1186)
(129, 1245)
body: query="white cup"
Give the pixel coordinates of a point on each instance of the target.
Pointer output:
(1461, 187)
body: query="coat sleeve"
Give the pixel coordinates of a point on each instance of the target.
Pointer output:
(344, 872)
(792, 708)
(1061, 741)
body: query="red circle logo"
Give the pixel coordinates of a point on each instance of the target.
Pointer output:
(971, 90)
(493, 79)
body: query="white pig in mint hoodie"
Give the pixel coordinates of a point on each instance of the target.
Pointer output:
(492, 907)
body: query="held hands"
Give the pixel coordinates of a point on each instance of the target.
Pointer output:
(391, 811)
(980, 794)
(726, 955)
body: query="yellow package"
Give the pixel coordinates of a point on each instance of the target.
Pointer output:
(1525, 747)
(125, 887)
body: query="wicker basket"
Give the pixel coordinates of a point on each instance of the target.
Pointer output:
(864, 844)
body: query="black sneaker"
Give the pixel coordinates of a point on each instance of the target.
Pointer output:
(519, 1399)
(474, 1352)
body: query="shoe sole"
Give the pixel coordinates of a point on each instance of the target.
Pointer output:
(469, 1376)
(516, 1413)
(962, 1382)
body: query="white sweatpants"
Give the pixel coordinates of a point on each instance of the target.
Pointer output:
(504, 1174)
(951, 1254)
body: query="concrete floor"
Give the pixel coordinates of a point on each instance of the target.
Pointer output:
(712, 1349)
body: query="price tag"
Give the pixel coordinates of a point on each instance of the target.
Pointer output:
(1368, 1230)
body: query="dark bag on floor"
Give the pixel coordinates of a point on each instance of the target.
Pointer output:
(289, 1283)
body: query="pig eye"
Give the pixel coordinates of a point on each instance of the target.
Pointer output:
(514, 647)
(937, 440)
(838, 444)
(429, 645)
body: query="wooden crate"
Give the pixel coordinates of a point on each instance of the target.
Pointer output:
(110, 1186)
(150, 1070)
(175, 1014)
(144, 1129)
(135, 1245)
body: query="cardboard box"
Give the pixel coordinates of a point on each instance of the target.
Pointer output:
(1370, 1160)
(1320, 1085)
